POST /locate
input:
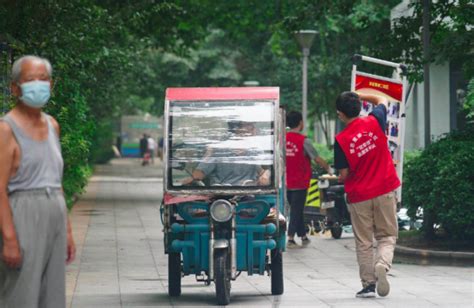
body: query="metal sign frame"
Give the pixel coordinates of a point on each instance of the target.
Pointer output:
(399, 78)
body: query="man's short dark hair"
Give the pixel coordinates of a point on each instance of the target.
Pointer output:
(349, 104)
(293, 119)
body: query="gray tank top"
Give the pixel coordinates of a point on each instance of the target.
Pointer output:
(41, 162)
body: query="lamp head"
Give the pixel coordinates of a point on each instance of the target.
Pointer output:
(305, 38)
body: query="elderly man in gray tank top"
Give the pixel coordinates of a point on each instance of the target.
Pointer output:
(36, 239)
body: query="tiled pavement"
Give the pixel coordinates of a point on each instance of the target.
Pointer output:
(121, 262)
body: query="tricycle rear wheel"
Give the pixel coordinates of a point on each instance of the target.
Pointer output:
(276, 268)
(222, 276)
(174, 274)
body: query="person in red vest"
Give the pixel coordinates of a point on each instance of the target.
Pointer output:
(299, 154)
(365, 166)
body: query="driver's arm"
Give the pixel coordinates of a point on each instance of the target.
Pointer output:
(264, 177)
(198, 175)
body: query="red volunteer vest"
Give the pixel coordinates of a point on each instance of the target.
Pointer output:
(298, 165)
(371, 169)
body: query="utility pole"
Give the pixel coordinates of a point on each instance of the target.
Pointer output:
(426, 69)
(428, 215)
(305, 40)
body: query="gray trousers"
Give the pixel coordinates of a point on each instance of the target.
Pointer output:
(40, 222)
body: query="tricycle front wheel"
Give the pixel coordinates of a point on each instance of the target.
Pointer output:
(222, 276)
(276, 268)
(174, 274)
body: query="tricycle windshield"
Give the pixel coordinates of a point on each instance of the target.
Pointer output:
(219, 144)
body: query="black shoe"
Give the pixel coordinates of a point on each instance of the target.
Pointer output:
(368, 291)
(305, 241)
(292, 244)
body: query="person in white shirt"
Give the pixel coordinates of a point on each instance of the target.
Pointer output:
(151, 148)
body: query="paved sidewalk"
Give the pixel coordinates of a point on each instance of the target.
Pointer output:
(121, 263)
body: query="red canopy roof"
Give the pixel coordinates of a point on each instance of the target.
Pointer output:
(187, 94)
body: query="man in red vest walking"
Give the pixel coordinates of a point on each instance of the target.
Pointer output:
(299, 154)
(365, 166)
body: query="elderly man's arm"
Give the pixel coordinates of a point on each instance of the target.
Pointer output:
(71, 246)
(10, 253)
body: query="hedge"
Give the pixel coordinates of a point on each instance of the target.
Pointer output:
(441, 181)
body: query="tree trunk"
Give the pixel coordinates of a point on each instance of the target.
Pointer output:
(428, 222)
(324, 126)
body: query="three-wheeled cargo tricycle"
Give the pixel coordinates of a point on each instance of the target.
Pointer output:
(224, 186)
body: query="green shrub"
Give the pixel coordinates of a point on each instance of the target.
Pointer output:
(469, 102)
(440, 180)
(324, 152)
(101, 150)
(409, 156)
(69, 107)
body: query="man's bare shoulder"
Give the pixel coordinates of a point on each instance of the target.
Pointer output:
(55, 125)
(7, 146)
(6, 133)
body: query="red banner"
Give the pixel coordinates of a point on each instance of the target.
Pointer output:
(391, 89)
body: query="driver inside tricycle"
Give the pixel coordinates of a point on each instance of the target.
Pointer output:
(223, 209)
(231, 167)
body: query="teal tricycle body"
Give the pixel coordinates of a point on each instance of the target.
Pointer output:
(224, 193)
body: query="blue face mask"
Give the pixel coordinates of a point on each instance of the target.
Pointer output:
(35, 93)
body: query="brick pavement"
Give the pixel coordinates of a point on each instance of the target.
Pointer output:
(121, 262)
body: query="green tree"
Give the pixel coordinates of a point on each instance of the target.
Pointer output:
(452, 38)
(92, 47)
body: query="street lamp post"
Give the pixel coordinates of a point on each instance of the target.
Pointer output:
(305, 40)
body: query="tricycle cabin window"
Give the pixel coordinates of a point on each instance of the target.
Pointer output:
(221, 143)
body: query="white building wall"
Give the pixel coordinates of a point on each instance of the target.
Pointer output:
(439, 98)
(439, 105)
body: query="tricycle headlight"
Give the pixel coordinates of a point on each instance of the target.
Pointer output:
(221, 210)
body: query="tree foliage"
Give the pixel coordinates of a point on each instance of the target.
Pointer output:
(259, 34)
(93, 49)
(118, 57)
(451, 36)
(468, 106)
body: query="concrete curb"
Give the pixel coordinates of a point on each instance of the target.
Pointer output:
(424, 255)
